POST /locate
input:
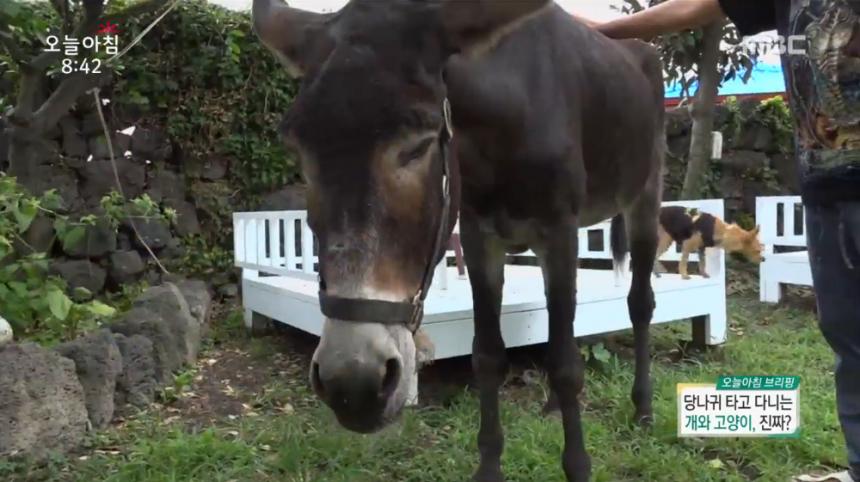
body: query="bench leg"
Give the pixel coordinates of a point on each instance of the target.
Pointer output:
(257, 324)
(709, 330)
(769, 291)
(412, 395)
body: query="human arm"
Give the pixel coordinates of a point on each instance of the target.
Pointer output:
(667, 17)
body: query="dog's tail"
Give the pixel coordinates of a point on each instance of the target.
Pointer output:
(619, 247)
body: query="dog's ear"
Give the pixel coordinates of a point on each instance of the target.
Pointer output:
(756, 230)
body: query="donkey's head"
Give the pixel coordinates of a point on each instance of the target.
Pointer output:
(371, 126)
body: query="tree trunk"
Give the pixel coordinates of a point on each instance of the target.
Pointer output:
(703, 113)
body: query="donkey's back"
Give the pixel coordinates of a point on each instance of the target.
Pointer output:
(555, 90)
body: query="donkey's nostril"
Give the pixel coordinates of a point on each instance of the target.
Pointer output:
(316, 381)
(391, 378)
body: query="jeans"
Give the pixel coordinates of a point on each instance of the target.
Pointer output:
(833, 237)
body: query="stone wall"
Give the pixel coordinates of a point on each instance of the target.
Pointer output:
(50, 398)
(75, 161)
(753, 162)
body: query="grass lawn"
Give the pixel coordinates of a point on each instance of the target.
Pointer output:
(246, 414)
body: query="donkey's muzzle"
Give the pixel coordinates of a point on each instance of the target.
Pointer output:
(358, 391)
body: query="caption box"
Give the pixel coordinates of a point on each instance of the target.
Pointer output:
(740, 406)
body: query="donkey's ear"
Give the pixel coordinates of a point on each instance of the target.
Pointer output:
(297, 38)
(475, 25)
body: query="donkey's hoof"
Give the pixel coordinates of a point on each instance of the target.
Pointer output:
(488, 474)
(645, 420)
(686, 276)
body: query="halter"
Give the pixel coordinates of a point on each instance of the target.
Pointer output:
(408, 312)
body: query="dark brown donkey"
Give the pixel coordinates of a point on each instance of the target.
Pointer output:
(554, 127)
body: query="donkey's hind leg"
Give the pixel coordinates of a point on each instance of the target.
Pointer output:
(642, 233)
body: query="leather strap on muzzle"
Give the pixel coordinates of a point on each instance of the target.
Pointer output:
(407, 312)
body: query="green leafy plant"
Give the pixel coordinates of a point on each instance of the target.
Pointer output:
(117, 208)
(776, 115)
(36, 303)
(203, 259)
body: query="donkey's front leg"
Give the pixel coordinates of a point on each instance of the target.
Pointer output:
(564, 363)
(485, 260)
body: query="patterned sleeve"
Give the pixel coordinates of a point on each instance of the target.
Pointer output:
(751, 16)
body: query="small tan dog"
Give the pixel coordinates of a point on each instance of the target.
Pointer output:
(694, 231)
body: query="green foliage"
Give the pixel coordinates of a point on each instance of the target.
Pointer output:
(776, 115)
(682, 51)
(203, 73)
(117, 208)
(36, 303)
(204, 259)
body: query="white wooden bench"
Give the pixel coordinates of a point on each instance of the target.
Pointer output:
(782, 226)
(275, 250)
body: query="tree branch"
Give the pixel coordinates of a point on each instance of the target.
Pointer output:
(89, 26)
(63, 98)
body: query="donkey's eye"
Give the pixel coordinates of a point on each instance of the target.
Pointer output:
(415, 152)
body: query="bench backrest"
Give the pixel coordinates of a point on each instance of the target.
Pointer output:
(782, 221)
(281, 243)
(275, 242)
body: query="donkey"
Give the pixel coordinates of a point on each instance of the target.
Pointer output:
(510, 114)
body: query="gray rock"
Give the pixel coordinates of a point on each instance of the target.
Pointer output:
(123, 241)
(679, 146)
(167, 301)
(287, 198)
(63, 180)
(753, 135)
(98, 148)
(125, 266)
(98, 241)
(721, 116)
(186, 223)
(731, 187)
(166, 185)
(742, 161)
(153, 232)
(152, 277)
(137, 383)
(80, 273)
(98, 362)
(74, 143)
(754, 189)
(787, 169)
(150, 144)
(39, 237)
(229, 290)
(98, 178)
(173, 250)
(151, 325)
(42, 406)
(214, 168)
(91, 125)
(198, 297)
(678, 122)
(122, 143)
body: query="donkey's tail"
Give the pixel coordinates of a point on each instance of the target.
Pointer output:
(619, 247)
